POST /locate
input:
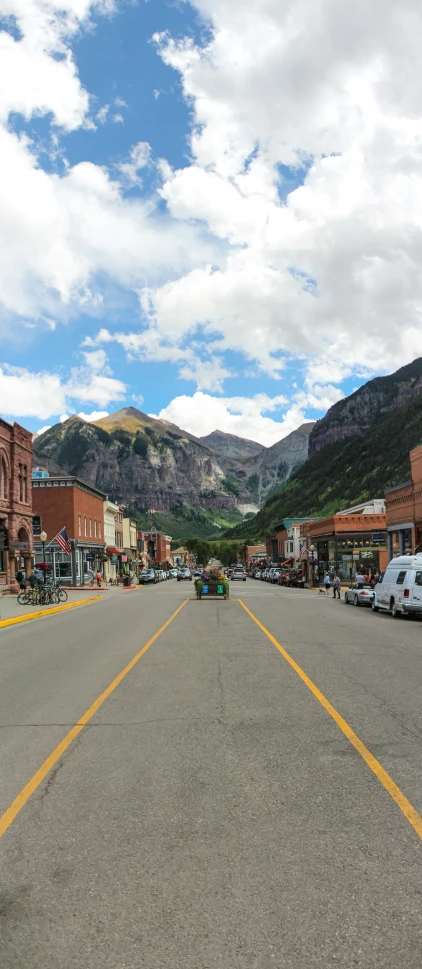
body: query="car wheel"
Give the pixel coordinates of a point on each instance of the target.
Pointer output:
(346, 601)
(356, 601)
(374, 607)
(394, 611)
(244, 580)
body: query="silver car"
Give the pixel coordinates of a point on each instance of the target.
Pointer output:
(359, 595)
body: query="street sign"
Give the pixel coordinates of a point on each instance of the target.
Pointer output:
(36, 526)
(19, 546)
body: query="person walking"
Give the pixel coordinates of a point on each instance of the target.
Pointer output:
(98, 577)
(21, 578)
(91, 576)
(336, 586)
(360, 579)
(327, 584)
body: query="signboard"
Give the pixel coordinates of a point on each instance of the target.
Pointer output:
(378, 537)
(89, 557)
(220, 590)
(204, 590)
(36, 526)
(19, 546)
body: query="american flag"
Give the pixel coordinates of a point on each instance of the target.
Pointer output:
(303, 551)
(63, 541)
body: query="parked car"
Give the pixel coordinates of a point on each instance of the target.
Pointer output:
(283, 578)
(184, 574)
(257, 574)
(174, 573)
(359, 595)
(273, 575)
(148, 575)
(399, 588)
(238, 573)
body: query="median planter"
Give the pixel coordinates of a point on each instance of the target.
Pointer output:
(212, 586)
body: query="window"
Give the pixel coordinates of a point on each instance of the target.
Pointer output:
(84, 524)
(99, 529)
(25, 484)
(90, 527)
(20, 483)
(79, 525)
(3, 479)
(400, 578)
(418, 578)
(95, 527)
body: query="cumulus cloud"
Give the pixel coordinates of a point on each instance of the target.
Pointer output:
(244, 416)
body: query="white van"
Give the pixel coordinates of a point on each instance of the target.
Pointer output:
(399, 590)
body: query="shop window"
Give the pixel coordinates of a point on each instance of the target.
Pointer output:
(401, 578)
(79, 524)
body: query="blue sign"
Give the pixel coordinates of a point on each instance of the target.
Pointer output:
(378, 537)
(89, 557)
(204, 590)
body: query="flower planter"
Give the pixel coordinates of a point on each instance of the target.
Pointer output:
(212, 588)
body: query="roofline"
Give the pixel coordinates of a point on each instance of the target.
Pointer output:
(406, 484)
(77, 482)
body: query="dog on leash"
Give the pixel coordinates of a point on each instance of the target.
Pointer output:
(321, 592)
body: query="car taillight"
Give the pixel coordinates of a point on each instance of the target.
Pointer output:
(406, 593)
(364, 593)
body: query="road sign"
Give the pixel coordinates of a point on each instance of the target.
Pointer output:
(19, 546)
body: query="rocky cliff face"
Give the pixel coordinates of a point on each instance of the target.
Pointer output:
(232, 447)
(273, 466)
(359, 412)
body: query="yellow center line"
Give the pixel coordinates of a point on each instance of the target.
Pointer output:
(21, 799)
(387, 782)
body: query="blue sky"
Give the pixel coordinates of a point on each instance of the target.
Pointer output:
(191, 215)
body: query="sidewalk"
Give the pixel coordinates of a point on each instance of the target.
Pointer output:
(10, 608)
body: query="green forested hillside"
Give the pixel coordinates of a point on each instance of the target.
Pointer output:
(344, 474)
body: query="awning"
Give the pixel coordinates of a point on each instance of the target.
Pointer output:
(287, 562)
(113, 551)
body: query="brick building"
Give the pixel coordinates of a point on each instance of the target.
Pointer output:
(158, 547)
(67, 502)
(16, 540)
(352, 541)
(404, 511)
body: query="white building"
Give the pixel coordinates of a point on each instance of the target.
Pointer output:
(110, 512)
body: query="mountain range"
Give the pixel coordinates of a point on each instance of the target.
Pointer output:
(356, 452)
(152, 465)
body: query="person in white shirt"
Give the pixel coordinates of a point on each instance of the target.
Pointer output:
(327, 584)
(359, 579)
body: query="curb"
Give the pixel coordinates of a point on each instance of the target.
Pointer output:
(47, 612)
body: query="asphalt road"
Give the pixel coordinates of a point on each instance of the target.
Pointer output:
(211, 813)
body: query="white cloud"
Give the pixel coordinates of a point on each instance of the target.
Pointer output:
(95, 415)
(139, 157)
(244, 416)
(118, 118)
(102, 114)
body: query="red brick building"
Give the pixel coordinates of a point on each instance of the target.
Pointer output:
(16, 541)
(403, 506)
(67, 502)
(158, 546)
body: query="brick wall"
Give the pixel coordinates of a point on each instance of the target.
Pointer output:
(59, 507)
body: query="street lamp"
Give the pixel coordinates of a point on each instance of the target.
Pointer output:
(43, 538)
(312, 550)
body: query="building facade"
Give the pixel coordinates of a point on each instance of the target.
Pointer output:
(349, 542)
(111, 564)
(64, 501)
(158, 546)
(130, 542)
(16, 539)
(404, 511)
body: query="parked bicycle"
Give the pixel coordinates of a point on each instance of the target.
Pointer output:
(42, 595)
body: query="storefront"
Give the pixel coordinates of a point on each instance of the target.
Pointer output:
(347, 543)
(73, 569)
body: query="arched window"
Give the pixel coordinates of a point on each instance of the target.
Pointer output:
(90, 527)
(3, 478)
(84, 524)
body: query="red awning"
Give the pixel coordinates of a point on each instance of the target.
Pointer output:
(113, 551)
(287, 562)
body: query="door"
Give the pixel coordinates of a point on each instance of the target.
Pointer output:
(416, 592)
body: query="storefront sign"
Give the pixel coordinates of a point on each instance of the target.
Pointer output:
(89, 557)
(19, 546)
(379, 537)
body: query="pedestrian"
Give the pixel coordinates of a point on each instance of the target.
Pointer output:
(336, 586)
(91, 576)
(98, 577)
(360, 579)
(33, 580)
(21, 578)
(327, 584)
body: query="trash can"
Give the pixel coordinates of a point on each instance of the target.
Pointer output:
(126, 580)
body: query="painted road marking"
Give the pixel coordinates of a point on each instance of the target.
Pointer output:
(387, 782)
(19, 802)
(47, 612)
